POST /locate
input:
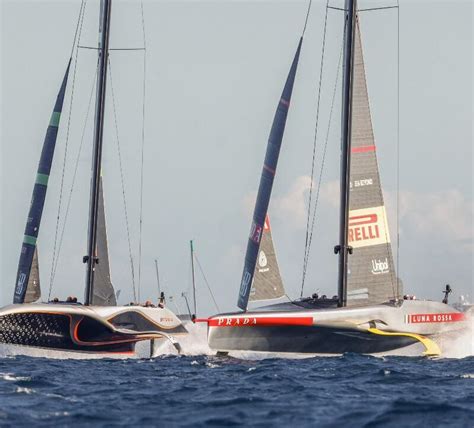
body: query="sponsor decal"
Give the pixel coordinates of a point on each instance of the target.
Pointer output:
(361, 183)
(380, 266)
(367, 227)
(245, 283)
(21, 284)
(434, 318)
(256, 233)
(262, 259)
(259, 321)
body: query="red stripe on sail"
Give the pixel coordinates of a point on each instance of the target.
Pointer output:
(259, 321)
(363, 149)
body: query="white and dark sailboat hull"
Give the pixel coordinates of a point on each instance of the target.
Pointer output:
(367, 330)
(94, 330)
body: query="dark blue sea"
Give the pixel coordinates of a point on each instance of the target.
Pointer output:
(205, 391)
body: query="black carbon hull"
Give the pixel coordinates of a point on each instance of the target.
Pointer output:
(85, 330)
(310, 329)
(306, 340)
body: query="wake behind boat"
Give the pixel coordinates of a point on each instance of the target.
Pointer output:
(100, 326)
(370, 313)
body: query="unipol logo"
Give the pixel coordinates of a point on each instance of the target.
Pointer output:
(368, 227)
(379, 266)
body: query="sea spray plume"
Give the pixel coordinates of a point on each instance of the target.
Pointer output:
(460, 345)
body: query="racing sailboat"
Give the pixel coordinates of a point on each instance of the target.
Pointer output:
(98, 326)
(369, 314)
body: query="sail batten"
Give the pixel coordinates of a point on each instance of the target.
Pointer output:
(371, 276)
(28, 249)
(266, 183)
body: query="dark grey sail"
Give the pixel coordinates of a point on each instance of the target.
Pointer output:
(371, 275)
(38, 198)
(266, 183)
(33, 290)
(267, 282)
(104, 294)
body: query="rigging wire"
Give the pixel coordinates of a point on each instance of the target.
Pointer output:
(207, 283)
(66, 216)
(323, 160)
(315, 139)
(398, 149)
(77, 34)
(142, 155)
(123, 184)
(307, 16)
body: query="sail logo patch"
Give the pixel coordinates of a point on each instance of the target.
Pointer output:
(21, 284)
(244, 285)
(379, 266)
(361, 183)
(262, 261)
(367, 227)
(256, 233)
(434, 318)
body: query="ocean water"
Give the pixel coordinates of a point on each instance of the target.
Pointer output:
(201, 390)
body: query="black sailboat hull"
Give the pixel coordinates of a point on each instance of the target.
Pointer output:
(94, 330)
(306, 340)
(299, 329)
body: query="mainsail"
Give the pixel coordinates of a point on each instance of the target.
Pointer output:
(371, 276)
(267, 282)
(104, 294)
(266, 183)
(33, 222)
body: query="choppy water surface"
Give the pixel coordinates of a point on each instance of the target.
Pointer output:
(350, 390)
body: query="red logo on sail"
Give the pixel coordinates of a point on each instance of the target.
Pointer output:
(363, 227)
(266, 225)
(368, 226)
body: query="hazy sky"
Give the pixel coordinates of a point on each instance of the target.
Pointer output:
(215, 71)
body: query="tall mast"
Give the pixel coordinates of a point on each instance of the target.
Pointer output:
(194, 279)
(348, 71)
(91, 258)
